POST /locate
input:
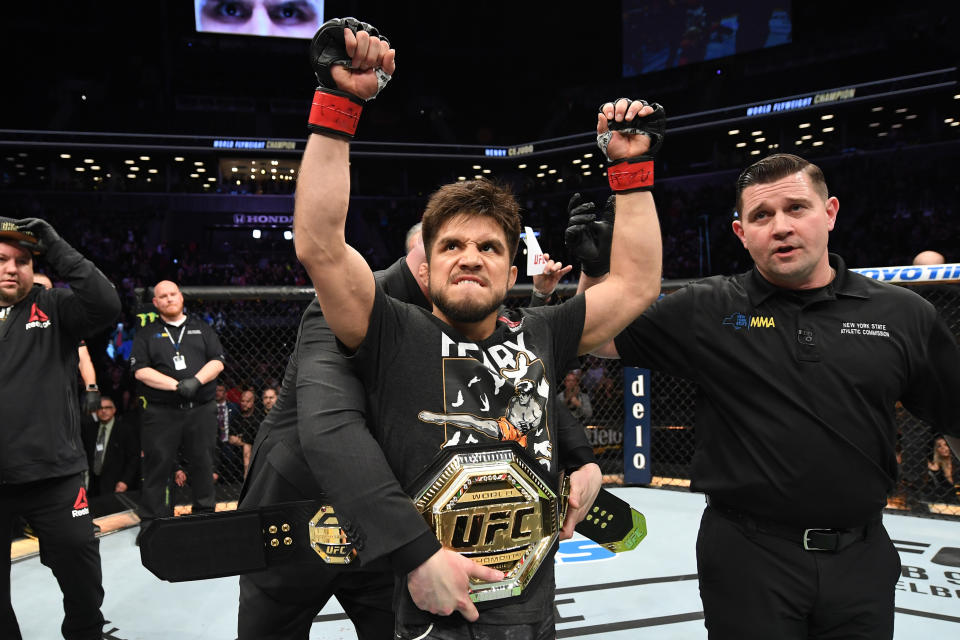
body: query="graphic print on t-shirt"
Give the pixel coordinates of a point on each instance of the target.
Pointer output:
(500, 393)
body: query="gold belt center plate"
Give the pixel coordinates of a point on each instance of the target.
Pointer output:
(494, 507)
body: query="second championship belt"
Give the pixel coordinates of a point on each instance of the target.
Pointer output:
(494, 505)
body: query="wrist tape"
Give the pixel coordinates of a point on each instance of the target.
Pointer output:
(631, 174)
(334, 112)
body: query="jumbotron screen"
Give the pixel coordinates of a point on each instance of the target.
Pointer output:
(663, 34)
(277, 18)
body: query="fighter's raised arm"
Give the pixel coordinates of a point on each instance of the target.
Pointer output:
(629, 132)
(352, 63)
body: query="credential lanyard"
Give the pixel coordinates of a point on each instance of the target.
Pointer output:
(176, 345)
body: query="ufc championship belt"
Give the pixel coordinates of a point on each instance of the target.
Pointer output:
(488, 503)
(494, 505)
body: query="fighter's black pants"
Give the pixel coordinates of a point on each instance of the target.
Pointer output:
(56, 511)
(456, 628)
(280, 604)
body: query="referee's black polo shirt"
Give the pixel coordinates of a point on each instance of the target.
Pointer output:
(795, 407)
(153, 347)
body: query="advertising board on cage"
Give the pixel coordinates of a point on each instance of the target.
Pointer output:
(913, 273)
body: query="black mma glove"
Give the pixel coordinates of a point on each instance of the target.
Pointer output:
(337, 112)
(60, 255)
(45, 235)
(588, 236)
(91, 400)
(188, 387)
(634, 174)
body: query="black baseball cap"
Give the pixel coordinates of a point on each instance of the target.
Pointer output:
(10, 229)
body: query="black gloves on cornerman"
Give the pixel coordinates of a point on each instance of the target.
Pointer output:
(588, 235)
(57, 252)
(44, 236)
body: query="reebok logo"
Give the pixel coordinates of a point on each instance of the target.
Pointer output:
(38, 319)
(80, 506)
(37, 315)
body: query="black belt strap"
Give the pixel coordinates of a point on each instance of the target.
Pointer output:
(228, 543)
(812, 539)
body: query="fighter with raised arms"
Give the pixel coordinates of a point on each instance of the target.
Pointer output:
(406, 357)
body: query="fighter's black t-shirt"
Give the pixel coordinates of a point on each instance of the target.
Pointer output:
(426, 381)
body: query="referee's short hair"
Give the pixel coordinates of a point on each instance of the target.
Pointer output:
(776, 167)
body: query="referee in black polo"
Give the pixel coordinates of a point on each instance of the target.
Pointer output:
(177, 359)
(798, 363)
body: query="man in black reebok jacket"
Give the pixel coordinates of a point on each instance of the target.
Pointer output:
(41, 456)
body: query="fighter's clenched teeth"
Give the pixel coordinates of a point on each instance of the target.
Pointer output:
(471, 280)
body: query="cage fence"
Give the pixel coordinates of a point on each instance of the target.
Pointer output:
(258, 329)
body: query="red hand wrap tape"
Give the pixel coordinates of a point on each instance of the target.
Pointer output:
(629, 175)
(335, 112)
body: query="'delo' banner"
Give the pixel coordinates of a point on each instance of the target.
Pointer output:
(636, 426)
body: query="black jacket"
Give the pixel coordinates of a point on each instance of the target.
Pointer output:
(292, 452)
(40, 424)
(121, 460)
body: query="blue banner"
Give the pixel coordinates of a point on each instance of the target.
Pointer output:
(636, 426)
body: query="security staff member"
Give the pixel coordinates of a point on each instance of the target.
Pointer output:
(177, 359)
(799, 363)
(41, 456)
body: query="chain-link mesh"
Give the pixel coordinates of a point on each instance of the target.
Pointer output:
(258, 329)
(922, 487)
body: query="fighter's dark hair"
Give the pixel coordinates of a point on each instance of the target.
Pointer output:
(777, 167)
(479, 197)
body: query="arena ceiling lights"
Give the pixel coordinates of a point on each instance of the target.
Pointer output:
(237, 171)
(901, 108)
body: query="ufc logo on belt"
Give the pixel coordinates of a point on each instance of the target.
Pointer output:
(515, 525)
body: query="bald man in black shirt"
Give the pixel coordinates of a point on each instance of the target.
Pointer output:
(177, 359)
